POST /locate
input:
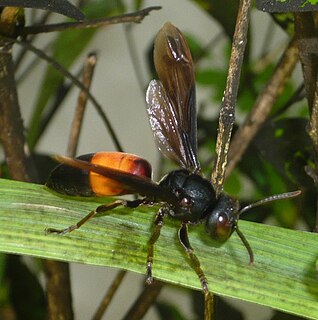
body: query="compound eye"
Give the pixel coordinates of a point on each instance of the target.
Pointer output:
(219, 226)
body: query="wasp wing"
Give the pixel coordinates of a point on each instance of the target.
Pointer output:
(171, 101)
(136, 184)
(164, 124)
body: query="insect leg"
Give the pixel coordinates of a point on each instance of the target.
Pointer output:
(154, 237)
(98, 211)
(195, 263)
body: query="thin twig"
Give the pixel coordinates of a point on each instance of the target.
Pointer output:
(263, 105)
(132, 50)
(76, 126)
(136, 17)
(31, 38)
(79, 84)
(268, 38)
(109, 295)
(227, 112)
(31, 64)
(297, 96)
(61, 94)
(144, 301)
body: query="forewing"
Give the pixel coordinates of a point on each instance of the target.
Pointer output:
(164, 124)
(174, 66)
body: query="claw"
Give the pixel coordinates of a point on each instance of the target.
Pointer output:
(57, 231)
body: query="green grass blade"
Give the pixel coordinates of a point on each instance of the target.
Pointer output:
(284, 275)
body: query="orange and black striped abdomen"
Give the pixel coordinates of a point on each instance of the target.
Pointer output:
(76, 182)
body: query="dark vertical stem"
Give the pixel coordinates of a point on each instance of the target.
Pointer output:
(20, 167)
(263, 105)
(58, 290)
(306, 30)
(306, 35)
(11, 125)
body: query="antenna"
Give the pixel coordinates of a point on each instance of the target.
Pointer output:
(275, 197)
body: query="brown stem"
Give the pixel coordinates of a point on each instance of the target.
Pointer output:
(11, 125)
(125, 18)
(58, 290)
(263, 106)
(227, 112)
(13, 141)
(306, 31)
(88, 72)
(144, 301)
(313, 175)
(306, 35)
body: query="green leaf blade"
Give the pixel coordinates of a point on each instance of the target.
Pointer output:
(284, 276)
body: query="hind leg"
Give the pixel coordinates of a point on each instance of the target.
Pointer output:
(98, 211)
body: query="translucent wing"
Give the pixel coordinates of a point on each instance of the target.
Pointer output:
(164, 124)
(171, 101)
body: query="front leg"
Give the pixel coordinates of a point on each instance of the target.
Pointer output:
(195, 264)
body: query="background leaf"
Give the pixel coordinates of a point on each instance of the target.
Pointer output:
(63, 7)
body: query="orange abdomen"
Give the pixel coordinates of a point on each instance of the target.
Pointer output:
(77, 182)
(116, 160)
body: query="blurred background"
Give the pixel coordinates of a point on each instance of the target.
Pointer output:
(122, 74)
